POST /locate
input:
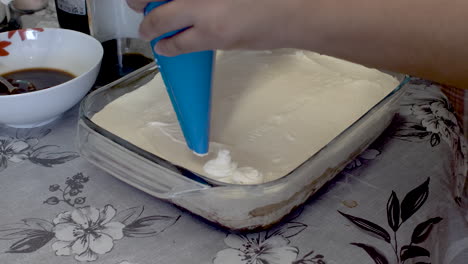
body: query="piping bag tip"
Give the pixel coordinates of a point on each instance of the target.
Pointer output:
(188, 80)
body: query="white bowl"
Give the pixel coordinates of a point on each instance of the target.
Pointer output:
(67, 50)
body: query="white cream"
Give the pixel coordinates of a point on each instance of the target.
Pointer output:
(271, 109)
(222, 166)
(247, 175)
(224, 169)
(171, 130)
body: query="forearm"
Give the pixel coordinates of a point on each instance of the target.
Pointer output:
(425, 38)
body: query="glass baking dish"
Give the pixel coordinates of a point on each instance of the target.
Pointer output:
(237, 207)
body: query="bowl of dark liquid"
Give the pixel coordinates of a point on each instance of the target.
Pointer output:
(48, 72)
(33, 79)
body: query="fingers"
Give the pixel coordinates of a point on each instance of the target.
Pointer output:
(185, 42)
(166, 18)
(139, 5)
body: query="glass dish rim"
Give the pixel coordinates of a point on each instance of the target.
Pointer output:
(153, 68)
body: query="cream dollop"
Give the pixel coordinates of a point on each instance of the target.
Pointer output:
(223, 168)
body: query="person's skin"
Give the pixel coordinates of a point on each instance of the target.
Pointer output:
(425, 38)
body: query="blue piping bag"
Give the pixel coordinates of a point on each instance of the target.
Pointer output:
(188, 80)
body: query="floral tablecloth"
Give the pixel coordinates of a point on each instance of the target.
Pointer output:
(401, 201)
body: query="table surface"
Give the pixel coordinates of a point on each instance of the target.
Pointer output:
(396, 203)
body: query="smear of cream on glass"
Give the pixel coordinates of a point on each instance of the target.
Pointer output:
(172, 130)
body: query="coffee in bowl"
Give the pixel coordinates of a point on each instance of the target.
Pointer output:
(33, 79)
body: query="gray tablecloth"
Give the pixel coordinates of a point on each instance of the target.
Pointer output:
(401, 201)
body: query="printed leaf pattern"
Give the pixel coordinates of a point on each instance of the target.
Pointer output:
(408, 252)
(32, 234)
(149, 226)
(393, 212)
(26, 228)
(130, 215)
(36, 223)
(368, 226)
(33, 241)
(414, 200)
(51, 159)
(412, 133)
(309, 258)
(435, 140)
(378, 257)
(288, 230)
(423, 230)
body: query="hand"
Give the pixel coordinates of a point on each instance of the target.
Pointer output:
(220, 24)
(399, 35)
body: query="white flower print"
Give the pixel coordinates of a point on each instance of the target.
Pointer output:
(440, 110)
(254, 249)
(13, 150)
(435, 122)
(25, 146)
(436, 118)
(86, 232)
(368, 154)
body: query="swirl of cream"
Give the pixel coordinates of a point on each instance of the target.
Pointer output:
(224, 168)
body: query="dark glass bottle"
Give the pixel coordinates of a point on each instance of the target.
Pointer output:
(72, 14)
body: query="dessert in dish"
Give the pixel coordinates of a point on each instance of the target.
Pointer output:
(272, 110)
